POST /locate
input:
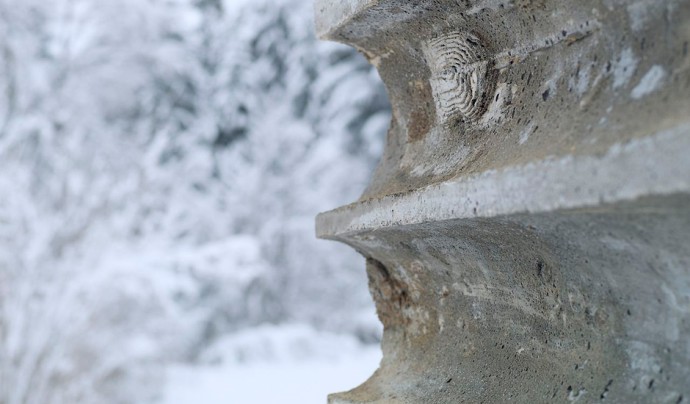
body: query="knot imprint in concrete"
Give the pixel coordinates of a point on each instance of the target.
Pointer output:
(461, 76)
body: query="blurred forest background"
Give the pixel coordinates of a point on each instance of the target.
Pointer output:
(161, 164)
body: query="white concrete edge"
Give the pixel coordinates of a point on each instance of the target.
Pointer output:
(329, 15)
(654, 165)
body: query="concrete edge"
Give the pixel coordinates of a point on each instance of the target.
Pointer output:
(659, 163)
(331, 15)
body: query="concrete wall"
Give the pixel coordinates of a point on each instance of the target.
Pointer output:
(527, 232)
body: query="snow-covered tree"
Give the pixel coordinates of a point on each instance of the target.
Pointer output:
(161, 164)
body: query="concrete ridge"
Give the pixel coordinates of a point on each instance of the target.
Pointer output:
(660, 164)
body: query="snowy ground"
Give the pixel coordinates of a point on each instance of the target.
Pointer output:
(283, 367)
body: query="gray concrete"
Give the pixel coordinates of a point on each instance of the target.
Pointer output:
(527, 231)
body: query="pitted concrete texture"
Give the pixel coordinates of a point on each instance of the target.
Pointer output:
(527, 232)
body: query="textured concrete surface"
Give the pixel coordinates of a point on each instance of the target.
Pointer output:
(527, 232)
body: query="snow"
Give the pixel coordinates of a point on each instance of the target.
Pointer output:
(624, 68)
(651, 82)
(296, 377)
(161, 165)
